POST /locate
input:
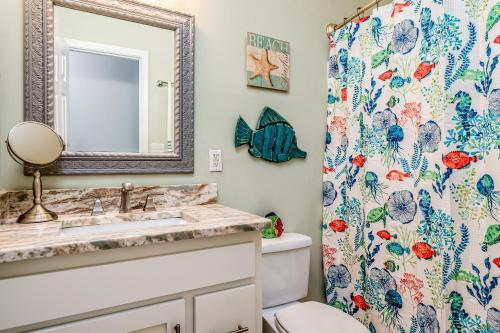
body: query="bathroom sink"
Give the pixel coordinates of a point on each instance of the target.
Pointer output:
(123, 226)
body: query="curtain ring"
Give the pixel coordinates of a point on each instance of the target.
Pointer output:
(359, 14)
(331, 29)
(376, 1)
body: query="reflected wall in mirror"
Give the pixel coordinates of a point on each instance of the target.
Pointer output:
(115, 79)
(114, 82)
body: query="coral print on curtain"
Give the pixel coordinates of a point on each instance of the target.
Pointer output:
(411, 226)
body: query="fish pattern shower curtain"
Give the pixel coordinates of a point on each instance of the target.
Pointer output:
(411, 198)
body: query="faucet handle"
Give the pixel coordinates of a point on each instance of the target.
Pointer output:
(98, 210)
(149, 204)
(127, 187)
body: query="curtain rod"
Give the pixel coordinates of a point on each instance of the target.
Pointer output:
(332, 27)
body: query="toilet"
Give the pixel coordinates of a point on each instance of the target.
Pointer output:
(285, 278)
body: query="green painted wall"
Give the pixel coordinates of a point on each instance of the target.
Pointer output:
(293, 190)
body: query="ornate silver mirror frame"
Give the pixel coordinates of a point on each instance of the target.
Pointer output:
(39, 84)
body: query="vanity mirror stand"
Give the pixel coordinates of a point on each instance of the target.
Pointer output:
(36, 146)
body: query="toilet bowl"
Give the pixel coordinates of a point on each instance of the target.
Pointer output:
(285, 278)
(315, 317)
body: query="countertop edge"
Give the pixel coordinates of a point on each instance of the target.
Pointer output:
(73, 246)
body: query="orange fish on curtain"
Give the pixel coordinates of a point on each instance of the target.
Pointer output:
(386, 75)
(398, 7)
(423, 70)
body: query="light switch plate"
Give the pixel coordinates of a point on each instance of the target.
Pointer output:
(215, 160)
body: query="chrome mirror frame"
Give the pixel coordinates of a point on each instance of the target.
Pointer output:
(39, 85)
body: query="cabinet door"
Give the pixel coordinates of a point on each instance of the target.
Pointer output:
(158, 318)
(231, 310)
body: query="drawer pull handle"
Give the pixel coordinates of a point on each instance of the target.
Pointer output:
(177, 328)
(240, 329)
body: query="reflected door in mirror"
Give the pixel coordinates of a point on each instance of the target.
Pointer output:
(114, 84)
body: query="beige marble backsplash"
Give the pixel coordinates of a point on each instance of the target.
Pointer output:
(81, 201)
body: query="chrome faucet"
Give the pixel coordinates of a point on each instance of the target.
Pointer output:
(127, 188)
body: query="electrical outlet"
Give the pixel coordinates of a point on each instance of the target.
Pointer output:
(215, 158)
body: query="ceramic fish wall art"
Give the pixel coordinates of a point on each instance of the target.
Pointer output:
(274, 139)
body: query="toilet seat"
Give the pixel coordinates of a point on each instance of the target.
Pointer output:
(316, 317)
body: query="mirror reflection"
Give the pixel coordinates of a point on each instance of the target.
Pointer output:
(34, 144)
(114, 84)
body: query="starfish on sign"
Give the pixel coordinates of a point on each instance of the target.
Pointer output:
(263, 67)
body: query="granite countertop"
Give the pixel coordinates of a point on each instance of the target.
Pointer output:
(31, 241)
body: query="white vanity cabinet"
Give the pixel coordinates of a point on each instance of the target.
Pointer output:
(209, 285)
(159, 318)
(234, 309)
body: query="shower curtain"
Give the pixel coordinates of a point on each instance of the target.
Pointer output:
(411, 171)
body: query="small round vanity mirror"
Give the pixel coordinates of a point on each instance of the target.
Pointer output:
(35, 145)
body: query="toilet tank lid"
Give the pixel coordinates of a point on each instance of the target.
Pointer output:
(288, 241)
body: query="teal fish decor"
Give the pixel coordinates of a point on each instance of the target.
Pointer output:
(398, 82)
(397, 249)
(274, 139)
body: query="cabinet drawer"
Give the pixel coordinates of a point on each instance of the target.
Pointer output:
(158, 318)
(224, 311)
(41, 297)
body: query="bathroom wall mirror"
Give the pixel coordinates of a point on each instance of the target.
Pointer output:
(115, 80)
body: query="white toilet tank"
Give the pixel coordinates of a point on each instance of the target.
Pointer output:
(285, 269)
